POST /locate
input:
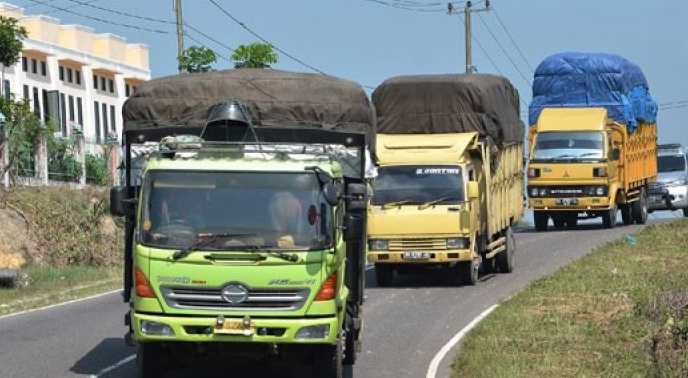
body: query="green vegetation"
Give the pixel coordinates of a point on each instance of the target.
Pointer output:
(255, 55)
(621, 311)
(96, 170)
(197, 59)
(11, 43)
(62, 162)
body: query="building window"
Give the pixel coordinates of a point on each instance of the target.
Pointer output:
(102, 84)
(46, 111)
(44, 68)
(25, 64)
(78, 77)
(113, 119)
(71, 109)
(80, 112)
(95, 82)
(62, 73)
(26, 93)
(36, 103)
(111, 84)
(96, 108)
(105, 120)
(63, 114)
(34, 66)
(70, 75)
(6, 88)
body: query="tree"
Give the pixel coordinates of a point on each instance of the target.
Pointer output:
(197, 59)
(255, 55)
(11, 36)
(23, 129)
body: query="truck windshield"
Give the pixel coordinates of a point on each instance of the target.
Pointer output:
(418, 185)
(671, 163)
(251, 211)
(583, 145)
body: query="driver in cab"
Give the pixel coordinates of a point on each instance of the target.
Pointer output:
(286, 212)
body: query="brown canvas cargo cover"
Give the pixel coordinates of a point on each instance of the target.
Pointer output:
(274, 98)
(429, 104)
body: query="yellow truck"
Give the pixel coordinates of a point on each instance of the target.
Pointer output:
(592, 142)
(450, 176)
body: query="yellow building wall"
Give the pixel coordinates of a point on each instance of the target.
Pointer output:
(76, 37)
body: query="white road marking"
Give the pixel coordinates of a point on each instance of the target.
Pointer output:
(60, 304)
(435, 363)
(113, 367)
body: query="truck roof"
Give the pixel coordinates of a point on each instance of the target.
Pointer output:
(251, 163)
(423, 148)
(572, 119)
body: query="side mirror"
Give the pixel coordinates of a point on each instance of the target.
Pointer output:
(616, 154)
(353, 227)
(356, 197)
(120, 203)
(473, 190)
(332, 191)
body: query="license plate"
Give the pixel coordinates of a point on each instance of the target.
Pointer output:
(236, 327)
(414, 255)
(567, 201)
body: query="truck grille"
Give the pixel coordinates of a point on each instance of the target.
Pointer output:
(418, 244)
(211, 299)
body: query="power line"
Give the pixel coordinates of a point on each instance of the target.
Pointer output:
(504, 50)
(129, 26)
(520, 52)
(208, 37)
(245, 27)
(221, 56)
(121, 13)
(407, 7)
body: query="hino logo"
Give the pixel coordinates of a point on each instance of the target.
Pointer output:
(234, 294)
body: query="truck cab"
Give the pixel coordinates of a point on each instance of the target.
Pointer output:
(670, 192)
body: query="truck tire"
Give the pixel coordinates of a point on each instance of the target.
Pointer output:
(505, 259)
(572, 221)
(559, 221)
(328, 361)
(609, 217)
(468, 272)
(639, 208)
(541, 219)
(626, 214)
(149, 358)
(384, 275)
(350, 343)
(685, 212)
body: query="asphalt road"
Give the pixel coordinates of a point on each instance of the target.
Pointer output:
(405, 325)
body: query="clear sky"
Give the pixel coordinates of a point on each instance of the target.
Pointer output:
(368, 42)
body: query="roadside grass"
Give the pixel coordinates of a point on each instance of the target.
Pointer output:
(621, 311)
(50, 285)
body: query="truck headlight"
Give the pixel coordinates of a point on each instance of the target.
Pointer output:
(152, 328)
(534, 192)
(458, 243)
(313, 332)
(600, 191)
(378, 244)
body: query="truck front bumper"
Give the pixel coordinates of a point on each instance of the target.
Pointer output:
(433, 257)
(674, 197)
(201, 329)
(579, 204)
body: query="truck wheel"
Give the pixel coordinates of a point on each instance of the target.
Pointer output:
(559, 221)
(328, 361)
(384, 275)
(685, 212)
(350, 347)
(468, 272)
(541, 220)
(149, 358)
(626, 214)
(571, 221)
(639, 208)
(609, 217)
(505, 259)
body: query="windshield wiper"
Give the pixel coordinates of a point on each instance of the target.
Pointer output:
(425, 205)
(390, 205)
(207, 239)
(284, 256)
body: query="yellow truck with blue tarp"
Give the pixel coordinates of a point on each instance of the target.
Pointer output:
(450, 176)
(592, 142)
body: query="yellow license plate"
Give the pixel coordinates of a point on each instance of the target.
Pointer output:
(236, 327)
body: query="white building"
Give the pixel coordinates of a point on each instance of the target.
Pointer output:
(78, 78)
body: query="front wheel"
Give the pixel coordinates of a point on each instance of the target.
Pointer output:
(468, 271)
(149, 358)
(541, 219)
(505, 259)
(640, 208)
(328, 361)
(626, 214)
(609, 217)
(559, 221)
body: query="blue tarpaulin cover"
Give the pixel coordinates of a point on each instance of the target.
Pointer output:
(575, 79)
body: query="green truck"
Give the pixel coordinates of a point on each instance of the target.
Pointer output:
(245, 227)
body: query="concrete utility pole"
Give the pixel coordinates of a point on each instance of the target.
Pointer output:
(467, 10)
(180, 31)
